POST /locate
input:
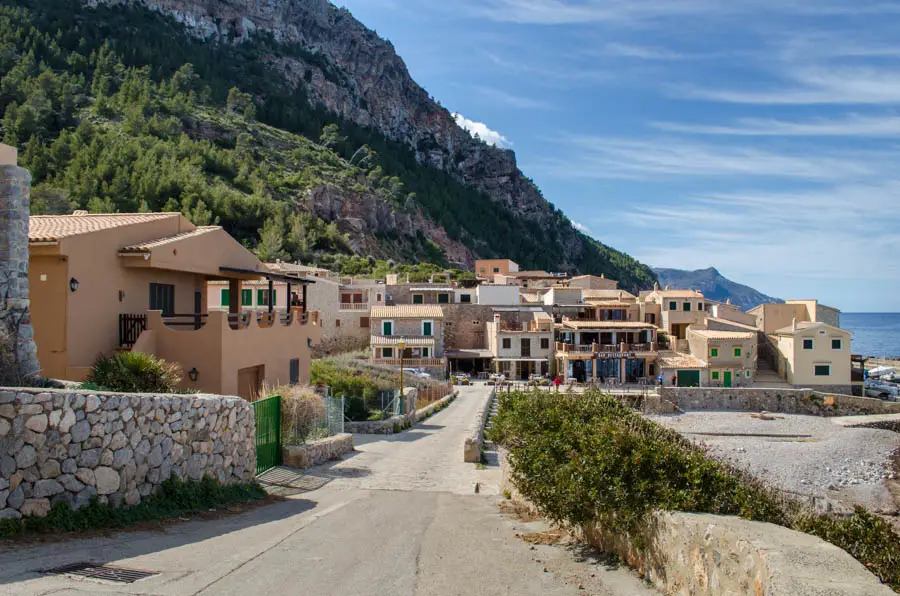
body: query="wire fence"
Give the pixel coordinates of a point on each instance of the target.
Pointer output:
(311, 417)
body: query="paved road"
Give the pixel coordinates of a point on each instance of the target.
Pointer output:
(399, 517)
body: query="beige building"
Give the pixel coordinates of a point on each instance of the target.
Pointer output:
(488, 268)
(106, 282)
(814, 355)
(591, 350)
(774, 317)
(419, 328)
(521, 349)
(592, 282)
(678, 309)
(729, 356)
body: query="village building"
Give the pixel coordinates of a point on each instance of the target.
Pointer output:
(411, 336)
(730, 356)
(678, 309)
(815, 356)
(592, 350)
(521, 349)
(139, 281)
(592, 282)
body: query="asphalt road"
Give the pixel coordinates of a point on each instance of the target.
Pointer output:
(398, 517)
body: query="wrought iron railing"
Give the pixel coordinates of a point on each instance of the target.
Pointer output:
(130, 328)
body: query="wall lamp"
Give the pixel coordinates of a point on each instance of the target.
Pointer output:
(73, 284)
(193, 374)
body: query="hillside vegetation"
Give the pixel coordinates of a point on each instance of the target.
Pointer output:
(118, 109)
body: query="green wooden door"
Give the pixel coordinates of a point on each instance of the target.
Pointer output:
(727, 381)
(688, 378)
(268, 433)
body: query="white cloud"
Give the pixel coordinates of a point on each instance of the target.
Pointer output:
(616, 158)
(641, 52)
(851, 125)
(582, 228)
(489, 136)
(514, 101)
(820, 85)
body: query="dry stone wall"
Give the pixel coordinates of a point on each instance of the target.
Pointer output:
(788, 401)
(72, 446)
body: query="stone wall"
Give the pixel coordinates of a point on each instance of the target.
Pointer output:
(317, 452)
(19, 356)
(475, 436)
(788, 401)
(64, 445)
(717, 555)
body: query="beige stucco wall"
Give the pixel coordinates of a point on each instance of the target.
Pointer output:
(592, 282)
(772, 317)
(732, 313)
(701, 347)
(798, 365)
(90, 326)
(485, 268)
(218, 352)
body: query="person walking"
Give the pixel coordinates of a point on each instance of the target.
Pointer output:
(557, 382)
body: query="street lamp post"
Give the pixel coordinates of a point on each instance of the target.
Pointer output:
(402, 347)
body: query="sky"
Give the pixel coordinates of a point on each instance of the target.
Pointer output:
(761, 137)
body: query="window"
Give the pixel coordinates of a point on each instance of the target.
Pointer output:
(545, 343)
(424, 352)
(427, 328)
(714, 352)
(673, 306)
(465, 298)
(823, 370)
(686, 307)
(507, 343)
(262, 297)
(807, 344)
(836, 344)
(225, 298)
(748, 374)
(387, 328)
(162, 297)
(378, 297)
(443, 298)
(496, 269)
(418, 299)
(387, 352)
(337, 322)
(525, 345)
(715, 375)
(364, 322)
(246, 297)
(737, 352)
(700, 306)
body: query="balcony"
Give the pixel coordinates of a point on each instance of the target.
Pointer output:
(590, 349)
(410, 362)
(354, 306)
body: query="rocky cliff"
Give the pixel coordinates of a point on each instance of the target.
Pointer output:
(714, 286)
(351, 71)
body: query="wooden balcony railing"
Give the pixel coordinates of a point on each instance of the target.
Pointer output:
(604, 348)
(411, 362)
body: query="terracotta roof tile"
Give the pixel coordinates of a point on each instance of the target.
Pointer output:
(407, 311)
(52, 228)
(150, 245)
(667, 359)
(712, 334)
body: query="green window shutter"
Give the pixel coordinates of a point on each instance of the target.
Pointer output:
(260, 297)
(424, 352)
(836, 344)
(387, 328)
(748, 374)
(426, 328)
(443, 298)
(246, 297)
(673, 306)
(387, 352)
(823, 370)
(225, 298)
(418, 299)
(687, 307)
(715, 376)
(737, 352)
(714, 352)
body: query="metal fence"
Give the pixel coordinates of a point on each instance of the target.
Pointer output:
(311, 420)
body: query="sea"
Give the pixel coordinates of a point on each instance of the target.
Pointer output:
(874, 334)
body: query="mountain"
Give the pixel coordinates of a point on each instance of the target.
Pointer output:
(287, 121)
(713, 285)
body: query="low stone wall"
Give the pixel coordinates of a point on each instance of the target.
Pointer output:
(381, 427)
(475, 436)
(317, 452)
(787, 401)
(715, 555)
(72, 446)
(423, 413)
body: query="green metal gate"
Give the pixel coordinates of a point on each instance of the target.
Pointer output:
(268, 433)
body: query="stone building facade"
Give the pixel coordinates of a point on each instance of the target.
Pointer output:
(19, 353)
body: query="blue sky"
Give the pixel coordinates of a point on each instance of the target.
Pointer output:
(761, 137)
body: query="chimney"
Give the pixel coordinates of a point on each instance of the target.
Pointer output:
(656, 286)
(794, 324)
(728, 301)
(602, 276)
(667, 287)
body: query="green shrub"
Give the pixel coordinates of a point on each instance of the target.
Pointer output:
(135, 372)
(588, 458)
(355, 409)
(175, 499)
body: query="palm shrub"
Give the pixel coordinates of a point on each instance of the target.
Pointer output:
(135, 372)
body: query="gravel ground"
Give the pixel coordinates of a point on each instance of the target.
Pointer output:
(803, 454)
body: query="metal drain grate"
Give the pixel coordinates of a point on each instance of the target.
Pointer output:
(103, 572)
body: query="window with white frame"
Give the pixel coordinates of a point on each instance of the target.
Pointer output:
(427, 328)
(387, 328)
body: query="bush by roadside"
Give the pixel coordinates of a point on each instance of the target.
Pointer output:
(175, 499)
(588, 458)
